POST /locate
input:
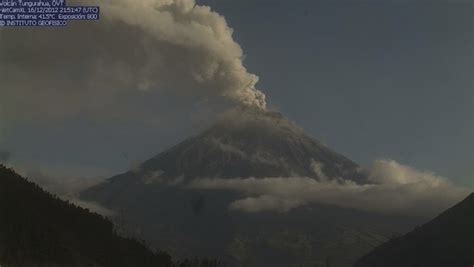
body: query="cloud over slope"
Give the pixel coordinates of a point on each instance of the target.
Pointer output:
(393, 188)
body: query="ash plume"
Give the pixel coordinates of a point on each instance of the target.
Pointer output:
(149, 48)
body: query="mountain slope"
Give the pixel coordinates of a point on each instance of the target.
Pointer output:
(244, 144)
(447, 240)
(251, 143)
(157, 202)
(37, 229)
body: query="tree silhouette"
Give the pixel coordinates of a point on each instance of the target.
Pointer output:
(39, 229)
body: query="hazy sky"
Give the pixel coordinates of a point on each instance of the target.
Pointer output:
(369, 79)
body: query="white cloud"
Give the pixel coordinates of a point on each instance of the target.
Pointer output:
(318, 170)
(93, 207)
(265, 203)
(393, 188)
(62, 183)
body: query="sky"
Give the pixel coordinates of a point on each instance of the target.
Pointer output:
(371, 79)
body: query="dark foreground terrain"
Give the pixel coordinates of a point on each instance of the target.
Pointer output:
(448, 240)
(39, 229)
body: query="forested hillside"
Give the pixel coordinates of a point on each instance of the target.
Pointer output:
(39, 229)
(447, 240)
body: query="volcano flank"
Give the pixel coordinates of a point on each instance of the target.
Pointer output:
(156, 201)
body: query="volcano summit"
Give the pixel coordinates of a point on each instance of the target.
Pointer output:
(250, 144)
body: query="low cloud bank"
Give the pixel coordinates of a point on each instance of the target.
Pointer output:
(93, 207)
(65, 187)
(61, 186)
(393, 188)
(68, 188)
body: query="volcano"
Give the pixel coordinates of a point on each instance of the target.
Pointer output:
(252, 144)
(154, 202)
(245, 144)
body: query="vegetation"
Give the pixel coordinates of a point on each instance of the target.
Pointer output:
(39, 229)
(448, 240)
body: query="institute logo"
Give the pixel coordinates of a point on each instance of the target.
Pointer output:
(43, 13)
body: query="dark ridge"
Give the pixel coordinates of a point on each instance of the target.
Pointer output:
(447, 240)
(39, 229)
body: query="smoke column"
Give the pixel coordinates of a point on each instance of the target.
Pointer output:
(215, 58)
(175, 47)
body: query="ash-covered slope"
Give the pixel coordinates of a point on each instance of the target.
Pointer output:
(448, 240)
(156, 202)
(251, 144)
(242, 143)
